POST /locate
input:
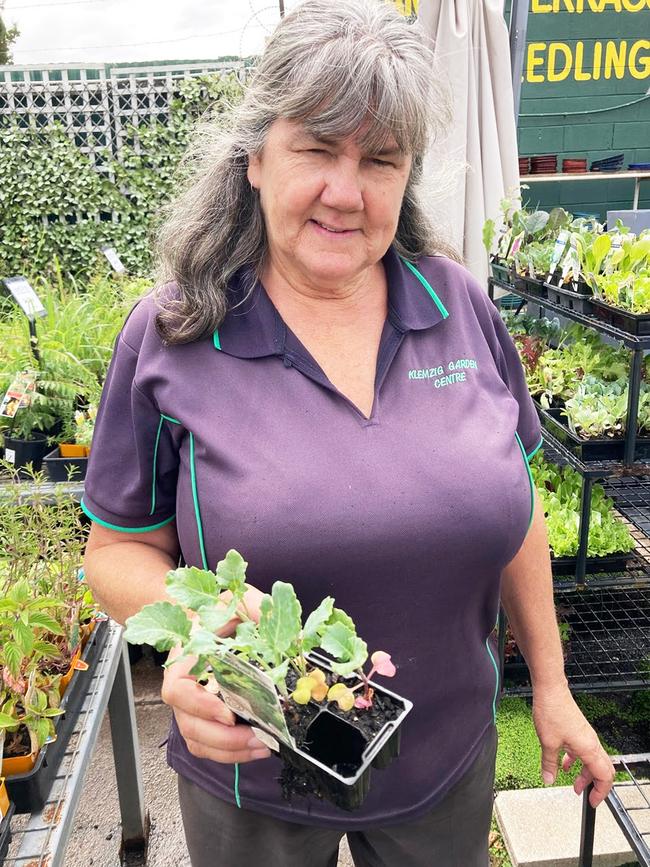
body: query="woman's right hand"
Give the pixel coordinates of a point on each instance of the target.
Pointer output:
(205, 722)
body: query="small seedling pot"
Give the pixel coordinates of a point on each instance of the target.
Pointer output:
(63, 468)
(336, 760)
(502, 273)
(12, 765)
(579, 301)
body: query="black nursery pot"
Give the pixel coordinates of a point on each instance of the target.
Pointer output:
(336, 760)
(63, 469)
(5, 831)
(21, 452)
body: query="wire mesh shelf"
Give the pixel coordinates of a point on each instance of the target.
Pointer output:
(607, 646)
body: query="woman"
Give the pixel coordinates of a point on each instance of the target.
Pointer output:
(314, 389)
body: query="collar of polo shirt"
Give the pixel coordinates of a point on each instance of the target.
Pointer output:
(254, 328)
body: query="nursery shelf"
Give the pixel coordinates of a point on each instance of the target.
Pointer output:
(630, 340)
(29, 490)
(593, 469)
(608, 645)
(39, 839)
(629, 803)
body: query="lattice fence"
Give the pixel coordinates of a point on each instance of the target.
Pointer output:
(98, 107)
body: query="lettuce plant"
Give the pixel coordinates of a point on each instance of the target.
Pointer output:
(560, 490)
(276, 644)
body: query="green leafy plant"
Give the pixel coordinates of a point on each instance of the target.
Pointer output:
(278, 643)
(560, 490)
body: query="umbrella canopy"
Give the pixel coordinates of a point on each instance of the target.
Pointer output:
(472, 50)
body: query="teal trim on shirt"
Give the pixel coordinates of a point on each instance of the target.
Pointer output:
(441, 307)
(103, 523)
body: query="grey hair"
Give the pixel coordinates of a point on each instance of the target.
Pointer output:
(337, 66)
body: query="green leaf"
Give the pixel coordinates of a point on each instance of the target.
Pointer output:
(42, 730)
(201, 643)
(345, 646)
(339, 616)
(39, 618)
(52, 712)
(192, 587)
(315, 622)
(278, 673)
(46, 648)
(161, 624)
(215, 617)
(231, 573)
(7, 721)
(280, 613)
(24, 637)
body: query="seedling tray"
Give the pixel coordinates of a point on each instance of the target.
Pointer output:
(336, 762)
(29, 791)
(5, 831)
(502, 273)
(63, 469)
(531, 285)
(631, 323)
(601, 449)
(580, 302)
(609, 563)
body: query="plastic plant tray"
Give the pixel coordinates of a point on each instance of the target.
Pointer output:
(348, 789)
(64, 469)
(502, 273)
(30, 790)
(601, 449)
(581, 302)
(531, 285)
(632, 323)
(608, 563)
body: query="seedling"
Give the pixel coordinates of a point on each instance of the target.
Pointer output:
(277, 644)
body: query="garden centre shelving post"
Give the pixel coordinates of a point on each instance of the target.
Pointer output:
(629, 803)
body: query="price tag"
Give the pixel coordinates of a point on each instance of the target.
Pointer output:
(558, 249)
(23, 293)
(114, 260)
(18, 395)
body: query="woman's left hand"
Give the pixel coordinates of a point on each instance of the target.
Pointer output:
(561, 725)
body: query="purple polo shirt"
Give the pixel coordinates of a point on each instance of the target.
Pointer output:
(407, 518)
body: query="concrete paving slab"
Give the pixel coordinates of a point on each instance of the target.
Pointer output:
(541, 828)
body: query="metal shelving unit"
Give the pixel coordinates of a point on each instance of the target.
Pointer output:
(629, 803)
(39, 839)
(608, 645)
(637, 177)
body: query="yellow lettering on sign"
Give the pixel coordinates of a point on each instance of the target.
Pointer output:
(554, 49)
(636, 5)
(580, 74)
(615, 59)
(604, 3)
(534, 48)
(568, 5)
(598, 59)
(644, 70)
(540, 7)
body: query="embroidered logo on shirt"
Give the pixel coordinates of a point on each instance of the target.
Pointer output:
(456, 372)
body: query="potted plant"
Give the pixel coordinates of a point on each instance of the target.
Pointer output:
(623, 289)
(25, 434)
(322, 714)
(69, 460)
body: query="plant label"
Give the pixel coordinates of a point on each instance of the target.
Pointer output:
(10, 456)
(24, 295)
(558, 251)
(251, 694)
(18, 395)
(114, 260)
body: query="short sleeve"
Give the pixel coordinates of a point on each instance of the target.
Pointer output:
(133, 465)
(513, 374)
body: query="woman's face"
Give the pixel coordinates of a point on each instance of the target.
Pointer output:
(330, 208)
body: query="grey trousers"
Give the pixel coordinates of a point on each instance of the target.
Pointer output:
(452, 834)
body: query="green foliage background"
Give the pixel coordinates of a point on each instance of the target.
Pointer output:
(55, 207)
